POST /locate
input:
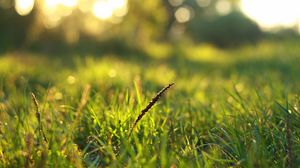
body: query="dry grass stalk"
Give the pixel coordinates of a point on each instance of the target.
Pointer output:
(148, 107)
(84, 98)
(38, 116)
(29, 147)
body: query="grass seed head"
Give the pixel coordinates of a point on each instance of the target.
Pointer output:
(149, 106)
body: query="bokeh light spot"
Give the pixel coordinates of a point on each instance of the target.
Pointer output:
(71, 79)
(112, 73)
(24, 7)
(223, 7)
(183, 15)
(103, 10)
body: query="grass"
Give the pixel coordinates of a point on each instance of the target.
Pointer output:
(228, 108)
(149, 106)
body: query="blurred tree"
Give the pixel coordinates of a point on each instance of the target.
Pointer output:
(14, 28)
(283, 34)
(214, 21)
(225, 31)
(196, 13)
(144, 22)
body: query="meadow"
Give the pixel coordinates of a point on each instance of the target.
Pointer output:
(228, 108)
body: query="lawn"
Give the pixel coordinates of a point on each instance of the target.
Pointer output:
(228, 108)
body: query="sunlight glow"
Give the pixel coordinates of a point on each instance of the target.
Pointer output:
(117, 4)
(69, 3)
(54, 12)
(106, 9)
(103, 10)
(272, 13)
(24, 7)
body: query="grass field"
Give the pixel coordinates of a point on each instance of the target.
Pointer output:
(227, 108)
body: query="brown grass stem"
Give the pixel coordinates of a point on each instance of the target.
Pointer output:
(149, 106)
(38, 116)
